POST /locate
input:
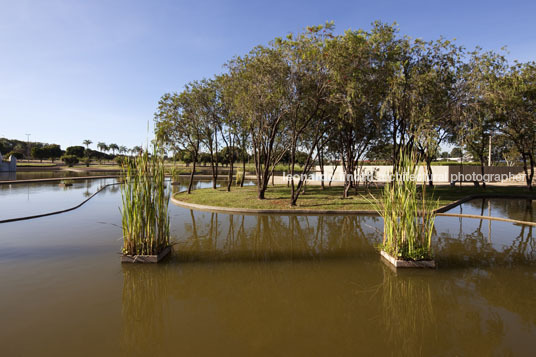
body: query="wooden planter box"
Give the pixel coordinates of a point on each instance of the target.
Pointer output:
(400, 263)
(146, 258)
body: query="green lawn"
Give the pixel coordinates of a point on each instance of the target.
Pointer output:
(278, 197)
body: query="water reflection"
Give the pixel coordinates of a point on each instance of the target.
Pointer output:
(485, 243)
(213, 236)
(518, 209)
(337, 307)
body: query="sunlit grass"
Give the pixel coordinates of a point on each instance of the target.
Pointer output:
(278, 197)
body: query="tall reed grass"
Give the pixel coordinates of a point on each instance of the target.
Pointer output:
(145, 219)
(408, 214)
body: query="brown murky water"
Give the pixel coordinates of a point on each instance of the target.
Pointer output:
(263, 285)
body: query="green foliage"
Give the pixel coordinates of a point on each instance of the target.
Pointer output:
(121, 160)
(17, 155)
(38, 153)
(70, 160)
(145, 200)
(78, 151)
(46, 152)
(114, 148)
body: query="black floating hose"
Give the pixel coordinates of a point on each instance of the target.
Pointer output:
(58, 212)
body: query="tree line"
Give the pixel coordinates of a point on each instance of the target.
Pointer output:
(347, 96)
(71, 155)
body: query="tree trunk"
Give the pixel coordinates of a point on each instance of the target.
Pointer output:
(482, 171)
(243, 173)
(230, 178)
(429, 168)
(528, 176)
(190, 184)
(321, 164)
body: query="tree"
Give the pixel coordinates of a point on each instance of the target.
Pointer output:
(70, 160)
(87, 142)
(204, 98)
(308, 114)
(456, 152)
(53, 151)
(114, 148)
(228, 122)
(39, 153)
(261, 99)
(516, 99)
(178, 124)
(102, 146)
(123, 149)
(356, 65)
(479, 117)
(136, 150)
(77, 151)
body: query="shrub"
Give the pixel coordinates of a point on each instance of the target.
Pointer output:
(121, 160)
(69, 160)
(18, 155)
(77, 151)
(87, 161)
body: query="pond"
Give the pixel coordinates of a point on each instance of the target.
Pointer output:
(259, 285)
(44, 174)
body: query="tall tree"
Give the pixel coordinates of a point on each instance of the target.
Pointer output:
(178, 122)
(87, 142)
(114, 148)
(478, 119)
(102, 146)
(308, 90)
(262, 100)
(516, 99)
(356, 66)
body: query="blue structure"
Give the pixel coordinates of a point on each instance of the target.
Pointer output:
(10, 166)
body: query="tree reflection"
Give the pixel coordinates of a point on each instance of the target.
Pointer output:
(275, 237)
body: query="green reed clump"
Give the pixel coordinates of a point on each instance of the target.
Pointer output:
(145, 219)
(408, 216)
(239, 175)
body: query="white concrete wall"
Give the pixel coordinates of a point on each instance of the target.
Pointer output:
(382, 173)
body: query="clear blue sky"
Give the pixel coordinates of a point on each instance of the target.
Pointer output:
(71, 70)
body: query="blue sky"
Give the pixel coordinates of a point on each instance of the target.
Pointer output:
(75, 70)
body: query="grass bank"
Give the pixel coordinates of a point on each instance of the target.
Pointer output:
(278, 197)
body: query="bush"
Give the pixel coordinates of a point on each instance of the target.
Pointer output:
(120, 160)
(86, 161)
(69, 160)
(78, 151)
(18, 155)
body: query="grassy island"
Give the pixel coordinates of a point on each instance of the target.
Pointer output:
(314, 198)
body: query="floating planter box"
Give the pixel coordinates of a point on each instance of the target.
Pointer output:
(400, 263)
(146, 258)
(65, 184)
